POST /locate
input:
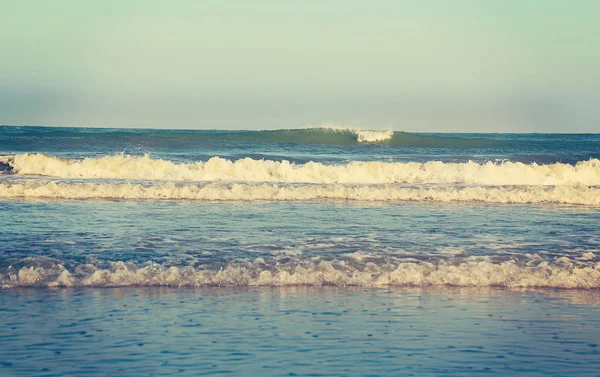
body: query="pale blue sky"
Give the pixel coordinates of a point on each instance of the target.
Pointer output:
(431, 65)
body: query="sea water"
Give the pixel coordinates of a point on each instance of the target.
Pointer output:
(321, 251)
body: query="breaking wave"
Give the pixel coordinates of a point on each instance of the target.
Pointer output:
(328, 134)
(580, 195)
(561, 273)
(340, 135)
(362, 136)
(337, 135)
(356, 172)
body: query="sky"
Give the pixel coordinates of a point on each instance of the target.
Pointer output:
(427, 65)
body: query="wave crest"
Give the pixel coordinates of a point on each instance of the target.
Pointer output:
(250, 170)
(579, 195)
(474, 272)
(362, 136)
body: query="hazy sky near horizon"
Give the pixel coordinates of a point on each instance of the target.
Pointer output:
(431, 65)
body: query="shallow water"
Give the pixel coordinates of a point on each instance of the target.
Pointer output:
(316, 243)
(299, 331)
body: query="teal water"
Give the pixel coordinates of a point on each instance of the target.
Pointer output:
(306, 252)
(300, 145)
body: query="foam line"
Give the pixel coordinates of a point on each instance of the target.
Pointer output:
(250, 170)
(480, 273)
(285, 192)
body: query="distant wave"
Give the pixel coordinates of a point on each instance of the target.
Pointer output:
(349, 136)
(250, 170)
(333, 135)
(581, 195)
(328, 134)
(480, 272)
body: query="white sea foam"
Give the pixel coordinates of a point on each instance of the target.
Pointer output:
(363, 136)
(466, 273)
(285, 192)
(250, 170)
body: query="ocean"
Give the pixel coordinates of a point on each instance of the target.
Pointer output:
(324, 251)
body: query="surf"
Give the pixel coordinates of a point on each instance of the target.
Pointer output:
(356, 172)
(39, 189)
(470, 272)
